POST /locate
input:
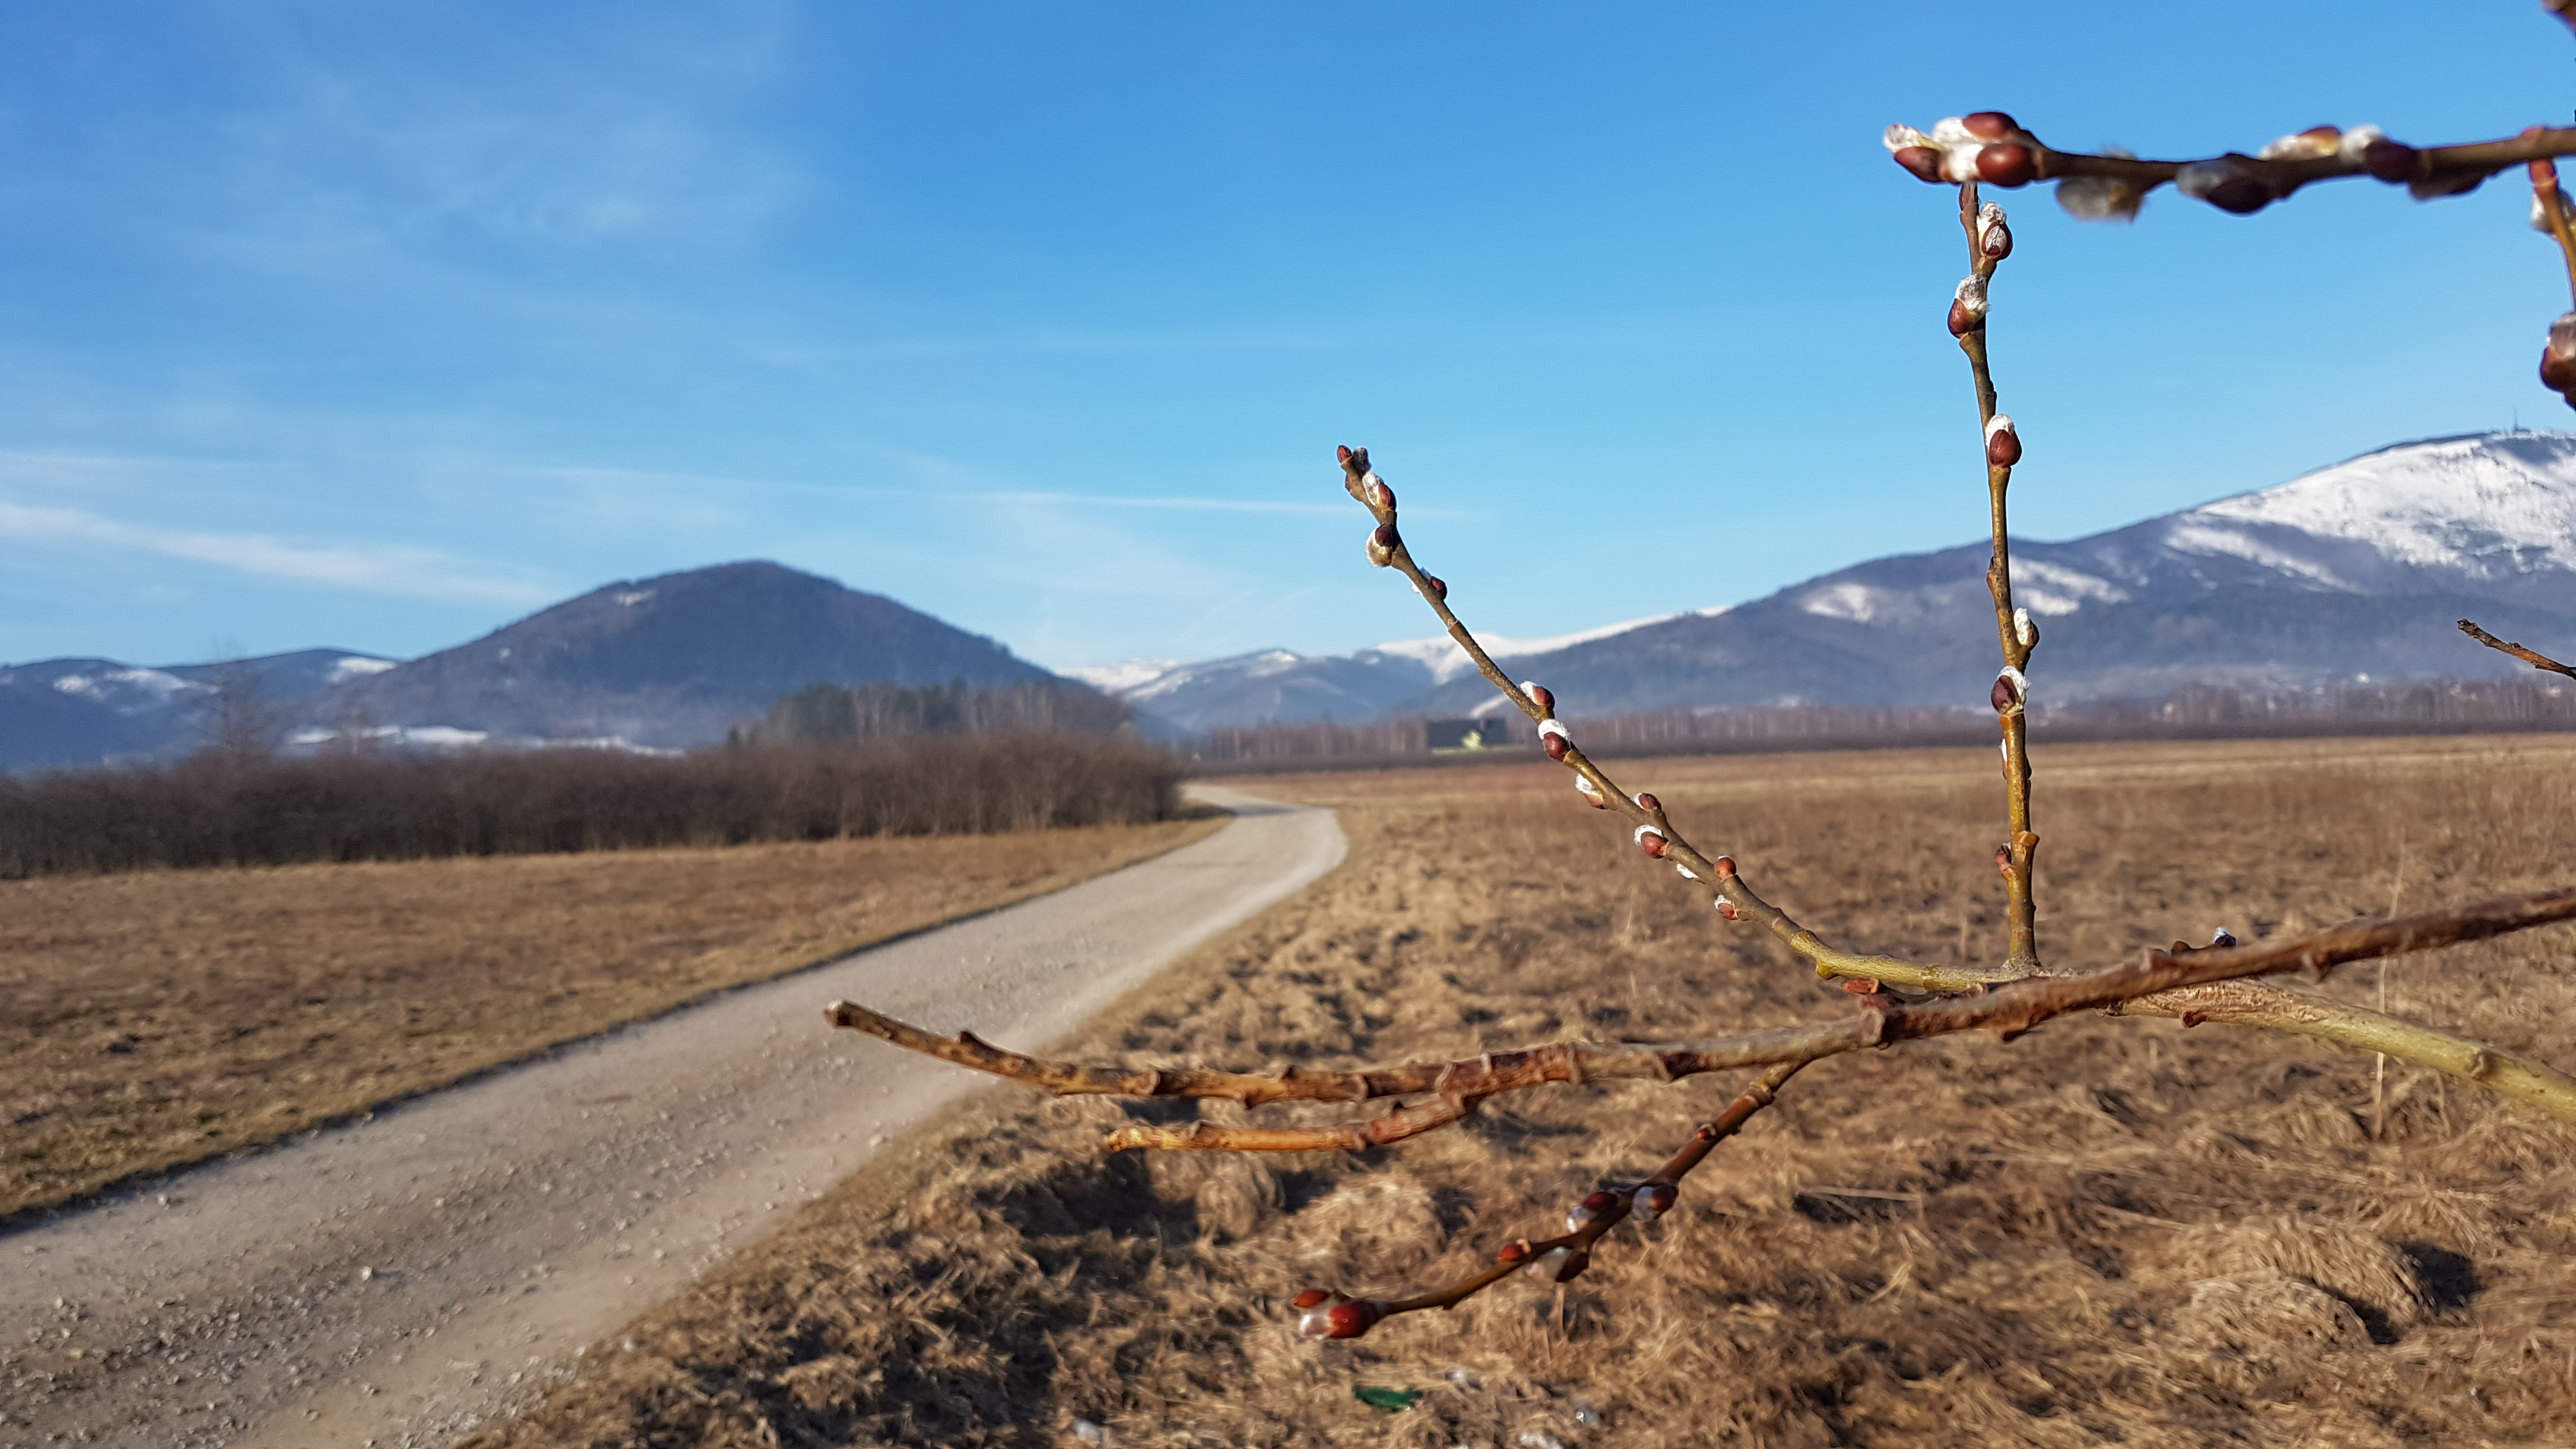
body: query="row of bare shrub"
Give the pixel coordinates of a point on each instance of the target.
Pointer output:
(208, 811)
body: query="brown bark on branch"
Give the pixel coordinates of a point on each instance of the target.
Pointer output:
(2430, 170)
(2255, 1003)
(2012, 1008)
(2532, 657)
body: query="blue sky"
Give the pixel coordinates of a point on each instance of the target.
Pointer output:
(379, 326)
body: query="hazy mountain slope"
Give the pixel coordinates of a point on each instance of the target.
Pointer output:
(81, 711)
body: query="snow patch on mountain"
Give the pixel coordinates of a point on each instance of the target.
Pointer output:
(2489, 506)
(358, 666)
(1446, 660)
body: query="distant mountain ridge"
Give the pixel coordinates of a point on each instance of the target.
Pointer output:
(676, 659)
(77, 711)
(663, 662)
(2358, 569)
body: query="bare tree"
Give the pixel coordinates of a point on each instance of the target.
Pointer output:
(1899, 1001)
(241, 725)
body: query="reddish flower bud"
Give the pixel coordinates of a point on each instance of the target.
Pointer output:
(2007, 165)
(1654, 1200)
(1968, 306)
(1558, 1265)
(1337, 1316)
(2558, 358)
(1923, 161)
(1513, 1252)
(1310, 1298)
(1650, 840)
(1439, 588)
(2230, 183)
(2003, 441)
(1553, 738)
(1381, 545)
(1593, 1206)
(1994, 238)
(1860, 986)
(2011, 692)
(1726, 910)
(2307, 145)
(1350, 1320)
(1988, 125)
(1539, 695)
(2390, 161)
(1591, 793)
(1725, 867)
(1648, 803)
(2225, 939)
(2003, 861)
(1342, 455)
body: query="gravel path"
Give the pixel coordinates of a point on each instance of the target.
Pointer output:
(398, 1280)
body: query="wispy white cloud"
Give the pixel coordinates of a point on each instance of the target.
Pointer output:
(398, 570)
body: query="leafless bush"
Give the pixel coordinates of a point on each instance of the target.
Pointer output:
(214, 811)
(1899, 1000)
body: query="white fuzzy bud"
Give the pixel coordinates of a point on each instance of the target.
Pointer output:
(1952, 131)
(2023, 629)
(1685, 872)
(2224, 939)
(2358, 140)
(1587, 787)
(1971, 295)
(1999, 423)
(2102, 198)
(1900, 136)
(1553, 726)
(2306, 145)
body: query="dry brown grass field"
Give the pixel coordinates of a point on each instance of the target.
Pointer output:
(161, 1017)
(2108, 1231)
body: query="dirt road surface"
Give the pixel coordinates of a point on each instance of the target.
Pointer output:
(396, 1281)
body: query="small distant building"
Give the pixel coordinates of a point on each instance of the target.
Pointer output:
(1468, 734)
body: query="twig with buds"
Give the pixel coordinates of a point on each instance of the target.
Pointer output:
(1654, 833)
(1989, 242)
(1991, 147)
(2012, 1008)
(1552, 1260)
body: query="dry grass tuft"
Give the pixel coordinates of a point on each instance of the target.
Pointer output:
(163, 1017)
(2110, 1231)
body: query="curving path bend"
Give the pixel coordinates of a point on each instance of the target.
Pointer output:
(396, 1281)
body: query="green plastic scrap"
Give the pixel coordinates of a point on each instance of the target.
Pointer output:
(1393, 1401)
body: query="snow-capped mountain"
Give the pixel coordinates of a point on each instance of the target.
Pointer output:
(1276, 684)
(2357, 570)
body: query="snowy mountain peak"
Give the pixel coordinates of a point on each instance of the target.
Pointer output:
(2489, 506)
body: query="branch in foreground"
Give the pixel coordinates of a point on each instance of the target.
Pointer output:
(2255, 1003)
(2531, 657)
(1655, 834)
(1992, 147)
(1989, 242)
(1331, 1314)
(2012, 1008)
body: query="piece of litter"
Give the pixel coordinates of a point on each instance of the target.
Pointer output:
(1585, 1414)
(1089, 1432)
(1393, 1401)
(1536, 1440)
(1463, 1378)
(366, 1275)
